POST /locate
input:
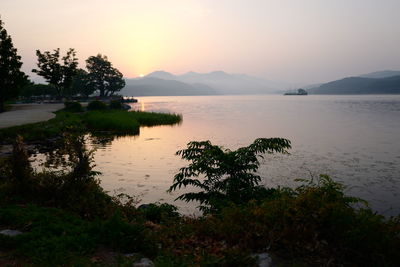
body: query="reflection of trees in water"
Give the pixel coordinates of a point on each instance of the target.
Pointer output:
(102, 140)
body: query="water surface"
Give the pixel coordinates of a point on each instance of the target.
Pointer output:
(354, 139)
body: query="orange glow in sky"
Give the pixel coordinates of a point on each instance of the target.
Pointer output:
(304, 40)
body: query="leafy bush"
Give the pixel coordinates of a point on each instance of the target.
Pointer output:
(115, 104)
(230, 176)
(157, 213)
(73, 106)
(315, 223)
(69, 183)
(53, 237)
(97, 105)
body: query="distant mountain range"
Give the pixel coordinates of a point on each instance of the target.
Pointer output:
(193, 83)
(151, 86)
(381, 82)
(162, 83)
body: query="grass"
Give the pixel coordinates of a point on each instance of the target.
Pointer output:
(63, 121)
(53, 237)
(127, 122)
(116, 121)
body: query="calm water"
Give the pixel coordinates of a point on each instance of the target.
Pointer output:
(354, 139)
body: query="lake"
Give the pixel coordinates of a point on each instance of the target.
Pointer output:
(354, 139)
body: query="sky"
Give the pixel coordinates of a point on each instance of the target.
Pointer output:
(305, 41)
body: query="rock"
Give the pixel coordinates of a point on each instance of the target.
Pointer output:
(9, 232)
(264, 260)
(144, 262)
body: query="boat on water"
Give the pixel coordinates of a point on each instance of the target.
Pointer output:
(299, 92)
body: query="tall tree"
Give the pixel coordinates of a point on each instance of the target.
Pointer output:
(12, 79)
(58, 73)
(103, 76)
(81, 84)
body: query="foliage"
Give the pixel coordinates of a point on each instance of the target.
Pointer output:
(56, 72)
(115, 104)
(229, 176)
(73, 106)
(69, 183)
(315, 223)
(96, 105)
(38, 90)
(159, 212)
(81, 84)
(17, 171)
(103, 76)
(54, 237)
(12, 79)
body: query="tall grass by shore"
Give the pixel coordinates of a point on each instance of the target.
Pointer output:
(115, 121)
(127, 122)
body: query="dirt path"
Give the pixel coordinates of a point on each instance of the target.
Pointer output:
(28, 113)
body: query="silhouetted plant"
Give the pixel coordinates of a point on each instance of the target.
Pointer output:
(57, 72)
(72, 106)
(229, 176)
(12, 79)
(21, 170)
(103, 77)
(97, 105)
(115, 104)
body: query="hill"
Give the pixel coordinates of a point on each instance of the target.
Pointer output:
(381, 74)
(151, 86)
(224, 83)
(360, 85)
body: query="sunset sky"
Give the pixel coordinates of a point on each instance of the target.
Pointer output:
(284, 40)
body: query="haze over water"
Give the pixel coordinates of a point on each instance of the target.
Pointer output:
(354, 139)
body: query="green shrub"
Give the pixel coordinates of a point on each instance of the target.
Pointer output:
(53, 237)
(73, 106)
(97, 105)
(115, 104)
(157, 212)
(315, 223)
(230, 176)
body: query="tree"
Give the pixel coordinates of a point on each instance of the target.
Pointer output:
(81, 84)
(38, 90)
(58, 73)
(103, 76)
(12, 79)
(229, 176)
